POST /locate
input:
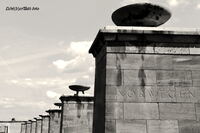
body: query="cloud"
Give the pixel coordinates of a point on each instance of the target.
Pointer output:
(11, 103)
(80, 47)
(42, 82)
(173, 2)
(61, 64)
(78, 58)
(198, 6)
(44, 54)
(53, 95)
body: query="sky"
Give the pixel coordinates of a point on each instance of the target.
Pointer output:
(43, 52)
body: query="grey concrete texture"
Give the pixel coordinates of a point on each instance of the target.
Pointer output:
(33, 126)
(28, 127)
(77, 117)
(12, 126)
(45, 124)
(55, 118)
(38, 125)
(23, 128)
(149, 84)
(3, 129)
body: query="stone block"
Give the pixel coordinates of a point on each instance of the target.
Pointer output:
(141, 111)
(164, 62)
(110, 126)
(131, 126)
(77, 116)
(114, 77)
(33, 126)
(114, 50)
(186, 94)
(166, 94)
(38, 126)
(114, 110)
(124, 61)
(162, 126)
(171, 50)
(186, 126)
(181, 62)
(196, 78)
(197, 108)
(139, 49)
(131, 61)
(177, 111)
(195, 51)
(151, 93)
(125, 93)
(173, 77)
(139, 77)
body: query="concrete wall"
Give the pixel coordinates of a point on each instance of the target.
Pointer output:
(33, 126)
(55, 118)
(13, 127)
(28, 127)
(45, 124)
(3, 129)
(38, 125)
(23, 128)
(147, 82)
(77, 116)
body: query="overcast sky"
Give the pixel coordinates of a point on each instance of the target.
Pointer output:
(43, 52)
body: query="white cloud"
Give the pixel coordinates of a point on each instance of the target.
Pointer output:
(198, 6)
(42, 82)
(61, 64)
(44, 54)
(52, 94)
(81, 47)
(173, 2)
(11, 102)
(86, 76)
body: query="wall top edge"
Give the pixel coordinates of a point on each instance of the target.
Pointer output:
(150, 30)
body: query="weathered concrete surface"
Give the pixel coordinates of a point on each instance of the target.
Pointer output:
(28, 127)
(23, 128)
(162, 126)
(140, 111)
(55, 118)
(3, 129)
(45, 123)
(38, 125)
(33, 126)
(147, 80)
(13, 126)
(77, 114)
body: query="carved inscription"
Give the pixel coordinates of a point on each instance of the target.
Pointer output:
(166, 94)
(131, 93)
(186, 94)
(171, 94)
(158, 93)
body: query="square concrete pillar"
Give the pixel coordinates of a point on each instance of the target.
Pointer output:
(23, 127)
(3, 129)
(45, 123)
(147, 80)
(33, 126)
(28, 127)
(13, 125)
(77, 114)
(38, 125)
(55, 118)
